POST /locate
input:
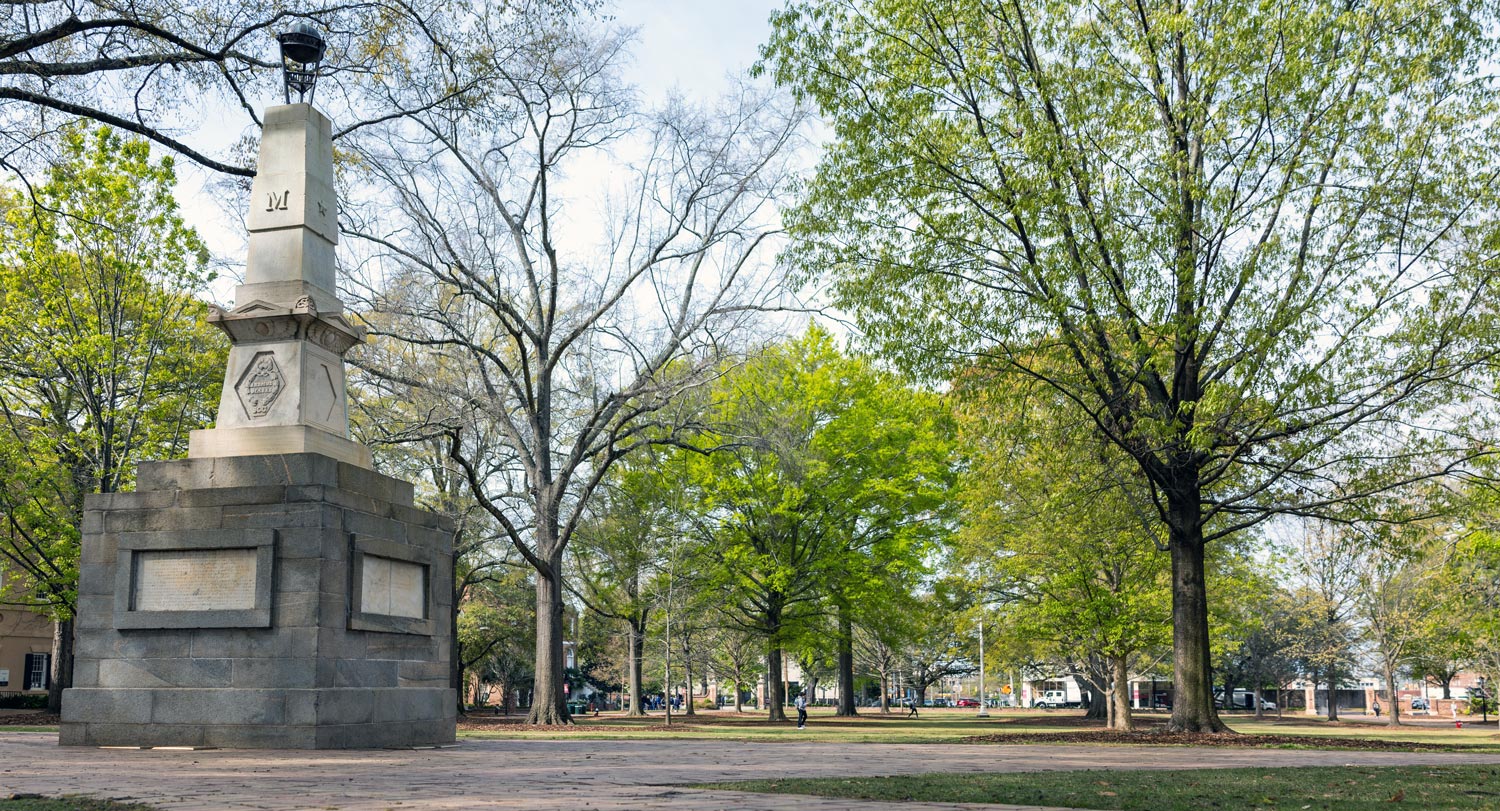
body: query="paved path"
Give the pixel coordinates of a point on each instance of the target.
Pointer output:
(567, 775)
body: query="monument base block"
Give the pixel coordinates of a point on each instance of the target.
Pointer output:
(248, 718)
(278, 601)
(275, 440)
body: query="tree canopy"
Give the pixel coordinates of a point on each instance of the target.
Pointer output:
(1258, 233)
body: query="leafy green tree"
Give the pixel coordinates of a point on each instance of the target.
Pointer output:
(735, 662)
(1255, 232)
(618, 555)
(1263, 657)
(824, 490)
(495, 623)
(1052, 528)
(106, 359)
(936, 647)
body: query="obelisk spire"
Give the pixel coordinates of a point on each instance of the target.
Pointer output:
(284, 388)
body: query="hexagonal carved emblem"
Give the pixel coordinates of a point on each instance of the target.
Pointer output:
(260, 385)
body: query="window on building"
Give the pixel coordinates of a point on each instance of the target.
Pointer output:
(38, 671)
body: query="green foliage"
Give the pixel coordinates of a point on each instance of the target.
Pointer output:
(106, 360)
(21, 701)
(1245, 242)
(1056, 529)
(830, 478)
(497, 630)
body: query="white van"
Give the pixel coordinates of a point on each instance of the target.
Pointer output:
(1053, 699)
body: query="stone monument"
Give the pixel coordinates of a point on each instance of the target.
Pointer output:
(271, 590)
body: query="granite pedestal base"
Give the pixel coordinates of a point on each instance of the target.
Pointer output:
(289, 601)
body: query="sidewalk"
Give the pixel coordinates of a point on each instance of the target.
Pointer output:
(568, 775)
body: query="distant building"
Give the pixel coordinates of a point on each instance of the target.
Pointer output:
(25, 651)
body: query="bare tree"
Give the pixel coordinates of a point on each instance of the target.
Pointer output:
(874, 653)
(571, 348)
(1403, 584)
(1325, 588)
(162, 68)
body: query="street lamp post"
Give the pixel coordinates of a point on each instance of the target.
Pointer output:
(984, 710)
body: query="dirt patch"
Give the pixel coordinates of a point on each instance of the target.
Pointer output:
(28, 718)
(1162, 738)
(479, 723)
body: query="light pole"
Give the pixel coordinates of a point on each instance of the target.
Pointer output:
(984, 710)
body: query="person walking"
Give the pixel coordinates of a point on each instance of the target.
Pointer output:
(911, 706)
(801, 705)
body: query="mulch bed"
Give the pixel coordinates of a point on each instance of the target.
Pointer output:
(479, 723)
(1161, 738)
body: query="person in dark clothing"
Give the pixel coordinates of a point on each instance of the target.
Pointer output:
(801, 705)
(911, 706)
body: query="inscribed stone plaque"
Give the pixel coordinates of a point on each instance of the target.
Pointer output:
(395, 588)
(194, 580)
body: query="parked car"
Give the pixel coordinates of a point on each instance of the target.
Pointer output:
(966, 702)
(1419, 703)
(940, 702)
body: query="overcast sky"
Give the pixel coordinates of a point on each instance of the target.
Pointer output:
(693, 45)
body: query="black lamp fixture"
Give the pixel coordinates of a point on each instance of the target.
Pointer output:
(301, 50)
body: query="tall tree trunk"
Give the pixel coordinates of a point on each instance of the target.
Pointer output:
(1121, 694)
(548, 703)
(62, 663)
(885, 693)
(1312, 675)
(636, 646)
(1098, 702)
(776, 700)
(739, 702)
(1192, 698)
(1333, 693)
(456, 648)
(687, 678)
(1395, 701)
(846, 663)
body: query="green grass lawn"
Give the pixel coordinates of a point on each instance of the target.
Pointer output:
(954, 726)
(71, 803)
(1430, 788)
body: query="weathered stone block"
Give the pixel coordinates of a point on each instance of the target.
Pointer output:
(182, 672)
(256, 643)
(107, 706)
(299, 673)
(229, 706)
(357, 673)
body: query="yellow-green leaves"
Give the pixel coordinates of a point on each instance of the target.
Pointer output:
(106, 360)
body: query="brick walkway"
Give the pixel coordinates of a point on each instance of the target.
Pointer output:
(573, 775)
